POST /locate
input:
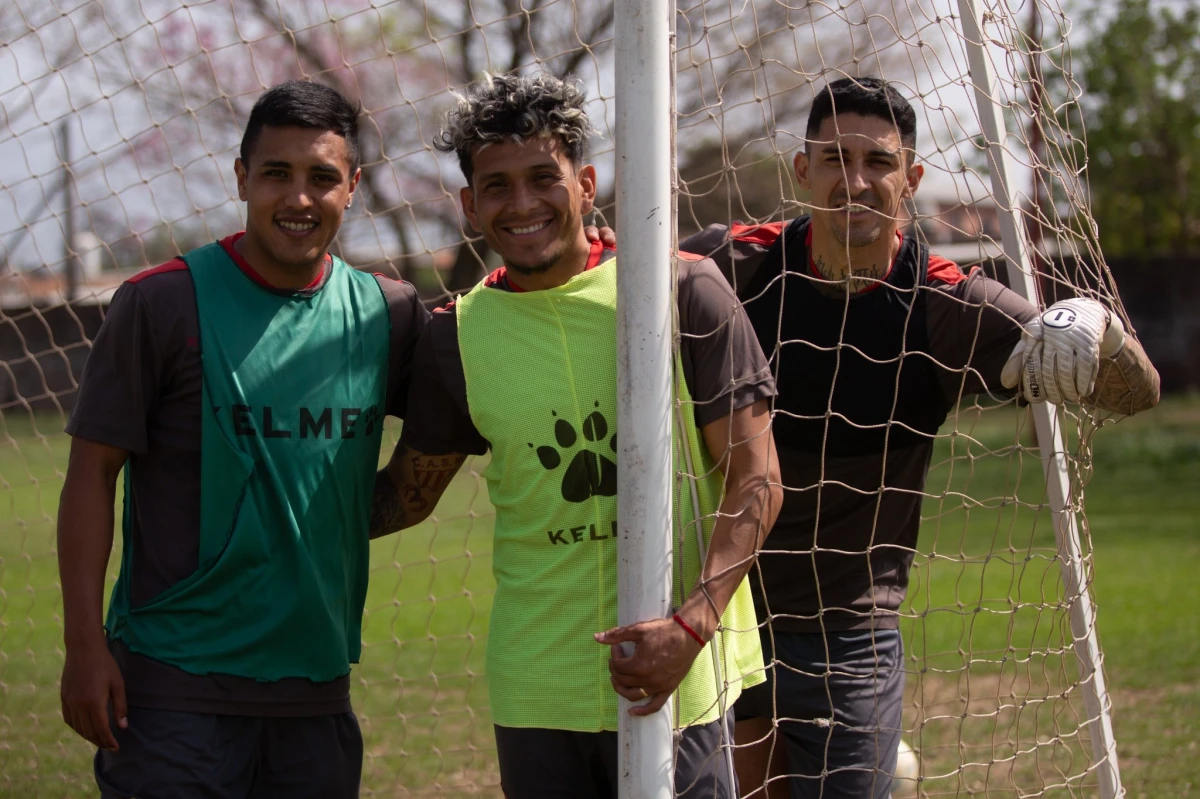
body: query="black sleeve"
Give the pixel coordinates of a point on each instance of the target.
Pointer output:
(973, 326)
(722, 361)
(408, 319)
(709, 242)
(737, 256)
(120, 385)
(438, 420)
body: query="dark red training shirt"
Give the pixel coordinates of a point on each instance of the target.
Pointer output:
(863, 383)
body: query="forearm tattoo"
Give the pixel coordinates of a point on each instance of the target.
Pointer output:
(387, 511)
(1128, 383)
(432, 474)
(423, 480)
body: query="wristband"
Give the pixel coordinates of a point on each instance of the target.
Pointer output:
(679, 620)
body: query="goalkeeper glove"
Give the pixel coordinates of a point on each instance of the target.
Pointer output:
(1058, 357)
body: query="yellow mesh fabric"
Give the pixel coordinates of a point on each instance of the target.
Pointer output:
(698, 490)
(541, 380)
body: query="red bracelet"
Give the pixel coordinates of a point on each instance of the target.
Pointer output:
(679, 620)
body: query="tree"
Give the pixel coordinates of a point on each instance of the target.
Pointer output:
(164, 88)
(1140, 71)
(745, 82)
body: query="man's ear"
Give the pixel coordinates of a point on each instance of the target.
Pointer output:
(913, 178)
(467, 198)
(587, 184)
(800, 166)
(239, 169)
(353, 185)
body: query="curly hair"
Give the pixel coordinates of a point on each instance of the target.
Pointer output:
(511, 107)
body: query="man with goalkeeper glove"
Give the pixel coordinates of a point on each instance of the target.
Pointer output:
(525, 366)
(873, 341)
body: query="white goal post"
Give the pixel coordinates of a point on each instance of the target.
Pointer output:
(1045, 415)
(644, 353)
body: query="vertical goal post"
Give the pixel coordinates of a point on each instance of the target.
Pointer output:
(645, 295)
(1045, 415)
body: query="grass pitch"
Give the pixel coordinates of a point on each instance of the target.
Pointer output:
(986, 593)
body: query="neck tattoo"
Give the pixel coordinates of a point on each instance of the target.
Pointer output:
(859, 278)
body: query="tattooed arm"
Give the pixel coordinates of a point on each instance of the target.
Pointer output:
(973, 325)
(1127, 383)
(436, 419)
(409, 487)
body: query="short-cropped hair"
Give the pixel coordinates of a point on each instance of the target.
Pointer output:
(303, 104)
(867, 97)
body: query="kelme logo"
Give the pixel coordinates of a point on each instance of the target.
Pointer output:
(304, 422)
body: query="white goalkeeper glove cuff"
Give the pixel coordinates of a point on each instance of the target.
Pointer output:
(1058, 357)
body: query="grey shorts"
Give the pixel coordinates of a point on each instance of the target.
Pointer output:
(560, 764)
(839, 712)
(165, 754)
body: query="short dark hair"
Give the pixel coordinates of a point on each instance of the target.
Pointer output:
(303, 104)
(510, 107)
(868, 97)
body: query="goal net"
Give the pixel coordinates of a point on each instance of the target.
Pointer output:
(121, 126)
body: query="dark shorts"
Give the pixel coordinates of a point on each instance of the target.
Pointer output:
(165, 754)
(560, 764)
(839, 712)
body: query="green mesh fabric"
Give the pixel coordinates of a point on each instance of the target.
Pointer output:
(284, 550)
(541, 380)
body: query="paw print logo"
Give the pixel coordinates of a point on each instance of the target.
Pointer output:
(589, 474)
(370, 419)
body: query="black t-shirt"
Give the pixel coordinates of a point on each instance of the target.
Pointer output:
(864, 381)
(723, 365)
(141, 392)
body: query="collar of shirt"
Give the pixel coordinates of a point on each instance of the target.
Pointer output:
(229, 245)
(498, 279)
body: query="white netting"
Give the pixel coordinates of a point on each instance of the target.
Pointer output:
(994, 703)
(121, 123)
(121, 126)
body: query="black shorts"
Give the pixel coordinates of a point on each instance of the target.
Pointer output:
(165, 754)
(560, 764)
(840, 713)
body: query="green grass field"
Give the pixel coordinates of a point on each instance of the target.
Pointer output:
(986, 592)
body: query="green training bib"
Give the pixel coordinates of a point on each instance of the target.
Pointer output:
(292, 417)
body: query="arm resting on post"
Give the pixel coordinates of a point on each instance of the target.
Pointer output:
(744, 450)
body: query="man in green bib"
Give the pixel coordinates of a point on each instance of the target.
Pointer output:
(525, 366)
(241, 388)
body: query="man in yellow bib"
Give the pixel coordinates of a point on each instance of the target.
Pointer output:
(525, 366)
